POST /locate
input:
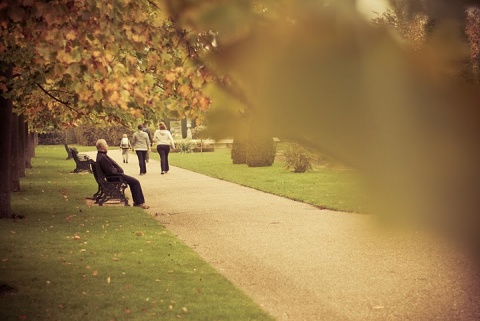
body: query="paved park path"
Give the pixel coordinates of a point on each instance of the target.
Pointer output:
(301, 263)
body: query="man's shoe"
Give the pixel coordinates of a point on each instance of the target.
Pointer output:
(163, 172)
(144, 206)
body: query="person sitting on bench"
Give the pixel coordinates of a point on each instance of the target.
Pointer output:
(110, 168)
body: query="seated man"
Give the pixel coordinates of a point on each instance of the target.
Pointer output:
(111, 168)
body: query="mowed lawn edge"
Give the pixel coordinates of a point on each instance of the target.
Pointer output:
(326, 187)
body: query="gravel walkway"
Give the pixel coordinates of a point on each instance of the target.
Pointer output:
(302, 263)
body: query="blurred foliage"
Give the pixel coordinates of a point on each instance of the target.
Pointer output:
(321, 74)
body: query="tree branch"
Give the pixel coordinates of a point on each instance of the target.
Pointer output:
(66, 104)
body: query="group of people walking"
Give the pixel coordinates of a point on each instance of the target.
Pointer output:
(142, 143)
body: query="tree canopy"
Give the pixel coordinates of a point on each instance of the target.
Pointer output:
(92, 60)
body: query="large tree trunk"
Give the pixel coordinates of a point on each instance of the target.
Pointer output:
(21, 146)
(5, 149)
(15, 178)
(28, 153)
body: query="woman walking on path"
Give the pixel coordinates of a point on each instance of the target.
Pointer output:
(164, 140)
(141, 144)
(125, 146)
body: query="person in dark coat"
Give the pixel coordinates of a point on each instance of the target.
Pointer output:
(110, 168)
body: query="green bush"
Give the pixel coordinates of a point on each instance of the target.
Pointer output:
(88, 136)
(298, 158)
(260, 151)
(85, 135)
(199, 132)
(53, 137)
(184, 146)
(239, 151)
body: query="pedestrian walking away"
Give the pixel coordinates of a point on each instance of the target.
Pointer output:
(147, 130)
(164, 140)
(125, 147)
(141, 144)
(111, 169)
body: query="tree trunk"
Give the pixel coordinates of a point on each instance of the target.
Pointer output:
(28, 152)
(5, 151)
(21, 146)
(15, 179)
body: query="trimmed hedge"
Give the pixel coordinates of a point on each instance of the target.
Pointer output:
(85, 135)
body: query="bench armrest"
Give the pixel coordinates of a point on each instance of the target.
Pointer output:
(83, 157)
(114, 179)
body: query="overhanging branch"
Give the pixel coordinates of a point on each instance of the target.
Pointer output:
(66, 104)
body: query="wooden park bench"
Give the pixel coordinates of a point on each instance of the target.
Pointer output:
(109, 188)
(69, 151)
(81, 160)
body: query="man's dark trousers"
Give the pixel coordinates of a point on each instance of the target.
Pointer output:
(135, 188)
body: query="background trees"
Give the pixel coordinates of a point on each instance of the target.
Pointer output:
(64, 63)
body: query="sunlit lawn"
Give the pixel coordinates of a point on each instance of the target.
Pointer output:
(66, 260)
(334, 187)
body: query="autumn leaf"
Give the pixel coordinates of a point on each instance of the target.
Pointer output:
(184, 90)
(71, 35)
(171, 77)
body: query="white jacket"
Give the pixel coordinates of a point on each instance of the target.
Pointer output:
(163, 137)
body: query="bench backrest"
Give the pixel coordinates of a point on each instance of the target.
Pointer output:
(69, 151)
(100, 176)
(75, 155)
(94, 168)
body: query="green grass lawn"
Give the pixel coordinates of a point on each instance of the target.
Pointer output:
(334, 188)
(66, 260)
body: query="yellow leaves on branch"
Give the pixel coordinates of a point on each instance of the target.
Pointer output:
(171, 76)
(184, 90)
(131, 60)
(136, 113)
(71, 35)
(200, 101)
(67, 58)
